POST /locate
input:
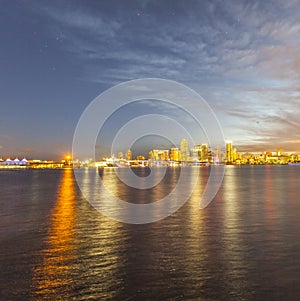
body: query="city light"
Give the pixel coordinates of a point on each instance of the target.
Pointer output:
(198, 155)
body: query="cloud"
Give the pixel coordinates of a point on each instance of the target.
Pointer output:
(244, 56)
(202, 41)
(83, 21)
(125, 51)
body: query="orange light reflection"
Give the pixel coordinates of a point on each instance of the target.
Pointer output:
(51, 278)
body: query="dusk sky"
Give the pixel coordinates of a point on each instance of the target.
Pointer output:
(242, 57)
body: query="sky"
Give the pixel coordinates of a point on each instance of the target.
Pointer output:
(242, 57)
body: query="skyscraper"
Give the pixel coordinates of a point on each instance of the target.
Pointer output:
(204, 153)
(129, 155)
(229, 152)
(184, 149)
(175, 154)
(196, 153)
(234, 154)
(218, 158)
(159, 155)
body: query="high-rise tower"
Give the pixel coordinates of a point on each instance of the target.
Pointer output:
(184, 149)
(229, 152)
(129, 155)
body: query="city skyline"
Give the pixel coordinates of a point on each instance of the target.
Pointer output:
(202, 152)
(149, 150)
(57, 56)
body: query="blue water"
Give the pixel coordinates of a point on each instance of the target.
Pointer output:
(244, 246)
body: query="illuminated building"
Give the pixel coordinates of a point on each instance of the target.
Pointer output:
(24, 161)
(184, 149)
(150, 155)
(204, 153)
(229, 152)
(279, 152)
(16, 161)
(196, 153)
(8, 161)
(159, 155)
(129, 155)
(175, 154)
(234, 154)
(218, 158)
(120, 155)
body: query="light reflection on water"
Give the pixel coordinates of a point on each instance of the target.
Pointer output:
(52, 277)
(243, 246)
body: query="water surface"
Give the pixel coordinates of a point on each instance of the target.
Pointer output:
(244, 246)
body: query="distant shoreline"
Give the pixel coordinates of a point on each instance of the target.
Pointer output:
(6, 168)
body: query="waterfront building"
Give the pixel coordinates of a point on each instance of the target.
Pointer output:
(234, 154)
(159, 155)
(129, 155)
(196, 153)
(150, 155)
(24, 161)
(204, 153)
(294, 158)
(229, 152)
(184, 150)
(8, 161)
(175, 154)
(16, 161)
(218, 158)
(120, 155)
(279, 152)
